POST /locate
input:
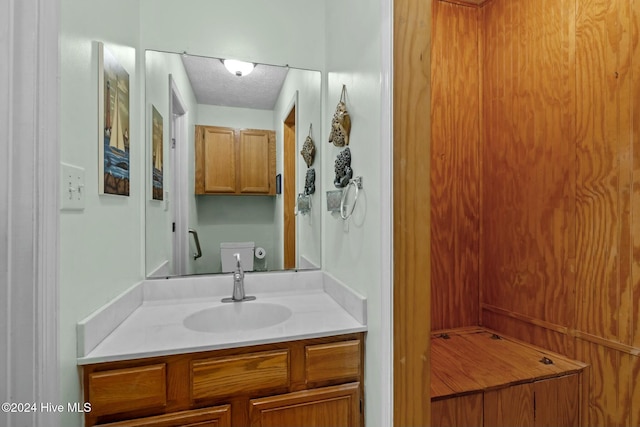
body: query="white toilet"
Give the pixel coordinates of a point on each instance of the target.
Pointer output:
(228, 249)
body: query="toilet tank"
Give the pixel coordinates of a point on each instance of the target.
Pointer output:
(228, 249)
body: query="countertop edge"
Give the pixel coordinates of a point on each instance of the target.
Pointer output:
(87, 360)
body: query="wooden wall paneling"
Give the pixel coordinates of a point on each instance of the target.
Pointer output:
(602, 193)
(537, 335)
(555, 130)
(635, 391)
(494, 153)
(623, 73)
(455, 176)
(528, 158)
(634, 294)
(610, 385)
(411, 212)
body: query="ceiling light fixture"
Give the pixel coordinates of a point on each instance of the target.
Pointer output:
(238, 68)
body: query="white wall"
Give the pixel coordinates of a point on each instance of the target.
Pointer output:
(307, 85)
(277, 32)
(241, 118)
(352, 248)
(159, 214)
(101, 252)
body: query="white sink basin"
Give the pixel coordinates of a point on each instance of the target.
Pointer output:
(237, 316)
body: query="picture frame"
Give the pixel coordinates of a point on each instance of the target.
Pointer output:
(157, 154)
(113, 125)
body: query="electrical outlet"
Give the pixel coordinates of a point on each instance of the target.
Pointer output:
(72, 187)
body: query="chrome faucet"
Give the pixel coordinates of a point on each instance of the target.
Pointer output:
(238, 284)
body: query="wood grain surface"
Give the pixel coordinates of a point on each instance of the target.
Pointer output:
(455, 175)
(411, 210)
(558, 180)
(560, 258)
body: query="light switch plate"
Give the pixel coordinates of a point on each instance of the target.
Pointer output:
(72, 187)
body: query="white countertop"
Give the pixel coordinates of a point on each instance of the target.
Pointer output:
(155, 327)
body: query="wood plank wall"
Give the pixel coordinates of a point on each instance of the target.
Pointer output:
(411, 230)
(455, 175)
(560, 199)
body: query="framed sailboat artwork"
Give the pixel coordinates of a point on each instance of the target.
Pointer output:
(113, 125)
(157, 154)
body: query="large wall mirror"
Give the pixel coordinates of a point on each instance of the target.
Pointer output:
(188, 232)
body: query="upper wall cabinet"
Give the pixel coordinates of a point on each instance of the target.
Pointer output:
(235, 161)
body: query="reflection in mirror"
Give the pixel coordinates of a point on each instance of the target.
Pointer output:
(226, 136)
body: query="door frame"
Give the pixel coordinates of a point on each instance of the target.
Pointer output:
(411, 211)
(180, 178)
(29, 253)
(287, 158)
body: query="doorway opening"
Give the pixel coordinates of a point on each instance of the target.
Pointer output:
(289, 189)
(179, 178)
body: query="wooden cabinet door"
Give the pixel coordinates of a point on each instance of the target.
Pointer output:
(509, 407)
(336, 406)
(218, 416)
(254, 162)
(557, 402)
(457, 411)
(215, 160)
(233, 161)
(554, 402)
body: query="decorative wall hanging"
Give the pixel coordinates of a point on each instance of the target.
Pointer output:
(113, 118)
(310, 182)
(157, 161)
(308, 150)
(343, 169)
(303, 204)
(341, 123)
(333, 200)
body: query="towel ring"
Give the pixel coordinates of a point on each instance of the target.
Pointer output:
(357, 183)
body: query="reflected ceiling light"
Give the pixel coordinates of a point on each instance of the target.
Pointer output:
(239, 68)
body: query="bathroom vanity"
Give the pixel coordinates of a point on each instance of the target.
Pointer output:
(317, 381)
(170, 353)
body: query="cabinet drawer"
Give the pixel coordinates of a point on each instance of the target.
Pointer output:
(218, 416)
(121, 390)
(242, 374)
(334, 361)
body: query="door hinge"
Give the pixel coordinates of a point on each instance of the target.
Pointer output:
(173, 227)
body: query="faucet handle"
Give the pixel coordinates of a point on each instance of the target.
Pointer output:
(239, 271)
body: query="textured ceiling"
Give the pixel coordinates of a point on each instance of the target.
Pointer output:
(213, 85)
